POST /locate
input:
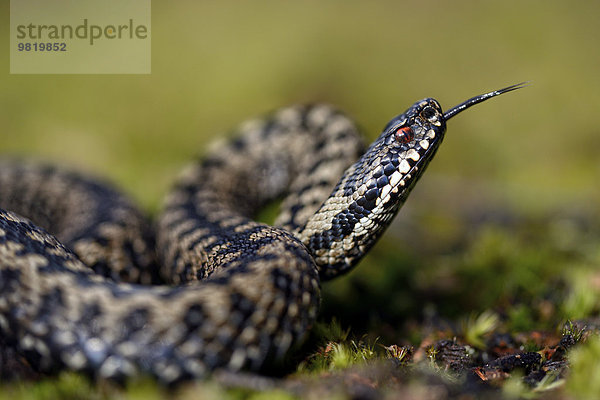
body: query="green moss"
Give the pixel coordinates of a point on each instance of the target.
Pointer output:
(584, 378)
(502, 265)
(521, 318)
(336, 350)
(338, 355)
(476, 328)
(68, 386)
(272, 395)
(584, 294)
(515, 388)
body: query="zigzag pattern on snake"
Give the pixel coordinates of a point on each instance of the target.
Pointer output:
(86, 305)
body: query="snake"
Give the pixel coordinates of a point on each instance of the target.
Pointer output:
(89, 283)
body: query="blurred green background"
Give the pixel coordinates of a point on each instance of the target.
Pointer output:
(215, 64)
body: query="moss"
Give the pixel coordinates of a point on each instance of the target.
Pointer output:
(339, 355)
(516, 388)
(583, 299)
(476, 328)
(583, 381)
(68, 386)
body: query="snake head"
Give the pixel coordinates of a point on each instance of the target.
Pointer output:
(399, 156)
(405, 147)
(410, 140)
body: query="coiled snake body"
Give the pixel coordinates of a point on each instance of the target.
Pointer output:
(84, 307)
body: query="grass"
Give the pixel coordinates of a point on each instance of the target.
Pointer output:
(476, 328)
(585, 369)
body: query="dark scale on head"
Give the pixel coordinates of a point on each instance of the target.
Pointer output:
(388, 167)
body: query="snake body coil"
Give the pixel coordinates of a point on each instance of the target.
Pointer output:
(260, 284)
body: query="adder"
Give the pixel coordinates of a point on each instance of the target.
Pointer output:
(82, 302)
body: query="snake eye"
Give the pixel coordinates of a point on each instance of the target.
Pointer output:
(404, 134)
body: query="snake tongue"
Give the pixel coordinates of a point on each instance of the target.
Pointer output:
(482, 97)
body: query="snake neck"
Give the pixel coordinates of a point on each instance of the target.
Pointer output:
(296, 154)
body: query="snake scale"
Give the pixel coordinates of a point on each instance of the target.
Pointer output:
(87, 305)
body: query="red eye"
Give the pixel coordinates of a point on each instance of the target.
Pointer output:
(405, 134)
